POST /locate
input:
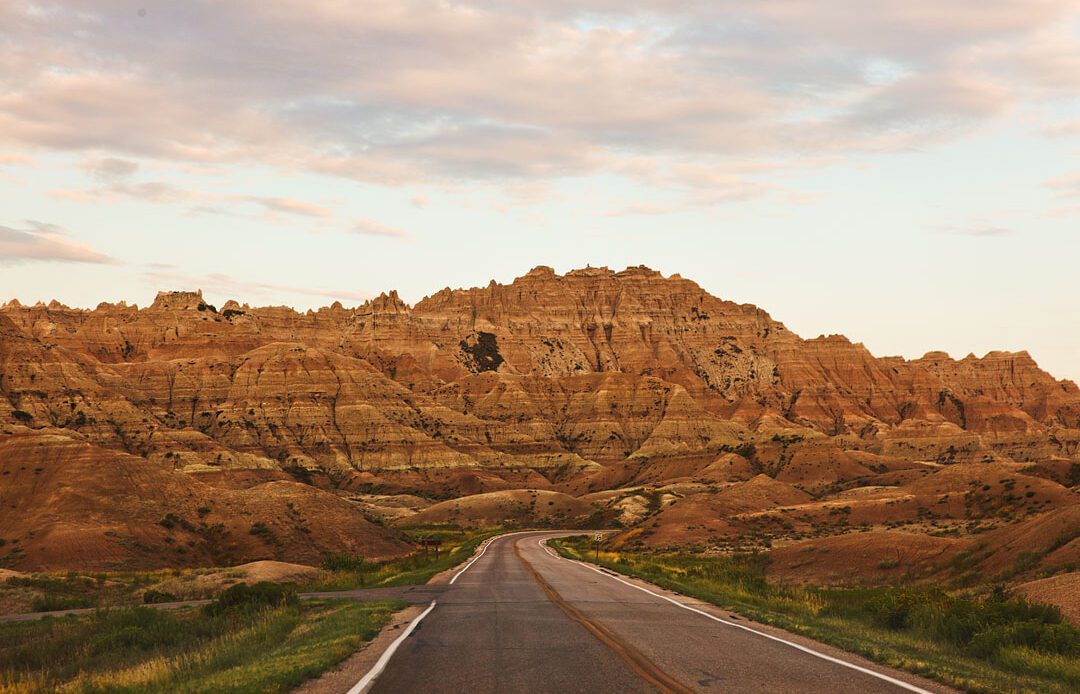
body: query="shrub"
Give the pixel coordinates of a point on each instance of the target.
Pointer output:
(153, 597)
(346, 562)
(262, 530)
(892, 609)
(242, 597)
(50, 602)
(1059, 639)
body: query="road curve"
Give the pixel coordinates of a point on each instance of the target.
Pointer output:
(521, 619)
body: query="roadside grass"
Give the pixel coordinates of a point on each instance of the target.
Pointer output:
(349, 572)
(256, 640)
(45, 592)
(980, 644)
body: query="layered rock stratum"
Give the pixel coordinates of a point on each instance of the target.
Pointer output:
(187, 433)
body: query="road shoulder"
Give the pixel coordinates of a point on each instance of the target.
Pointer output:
(352, 669)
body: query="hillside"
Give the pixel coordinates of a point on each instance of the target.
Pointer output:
(684, 417)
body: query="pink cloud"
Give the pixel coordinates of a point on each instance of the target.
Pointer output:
(45, 242)
(400, 93)
(1065, 186)
(290, 206)
(370, 228)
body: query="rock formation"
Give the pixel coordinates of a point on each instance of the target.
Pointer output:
(580, 383)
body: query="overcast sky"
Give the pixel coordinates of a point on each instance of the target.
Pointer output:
(904, 172)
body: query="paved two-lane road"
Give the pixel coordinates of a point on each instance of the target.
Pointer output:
(523, 620)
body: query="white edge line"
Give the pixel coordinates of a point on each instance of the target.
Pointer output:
(853, 666)
(380, 665)
(483, 548)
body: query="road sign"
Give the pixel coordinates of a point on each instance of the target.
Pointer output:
(428, 542)
(598, 537)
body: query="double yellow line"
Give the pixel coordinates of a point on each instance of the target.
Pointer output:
(637, 660)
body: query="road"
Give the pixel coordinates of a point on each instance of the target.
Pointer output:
(520, 619)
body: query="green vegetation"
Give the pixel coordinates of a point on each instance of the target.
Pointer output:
(51, 602)
(243, 597)
(63, 591)
(251, 639)
(44, 592)
(985, 643)
(350, 572)
(55, 592)
(155, 597)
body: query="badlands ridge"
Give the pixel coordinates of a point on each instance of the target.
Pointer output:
(188, 434)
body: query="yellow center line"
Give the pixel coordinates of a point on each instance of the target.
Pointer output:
(638, 661)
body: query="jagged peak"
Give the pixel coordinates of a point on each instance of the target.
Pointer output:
(108, 306)
(179, 300)
(387, 302)
(1022, 355)
(837, 338)
(640, 271)
(547, 272)
(590, 271)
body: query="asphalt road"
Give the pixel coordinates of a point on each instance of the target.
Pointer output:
(520, 619)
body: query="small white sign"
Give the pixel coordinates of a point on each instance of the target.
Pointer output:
(598, 537)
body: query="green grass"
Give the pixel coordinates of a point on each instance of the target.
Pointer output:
(245, 646)
(981, 644)
(67, 590)
(62, 591)
(350, 572)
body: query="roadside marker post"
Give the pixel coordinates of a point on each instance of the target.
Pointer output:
(427, 543)
(598, 537)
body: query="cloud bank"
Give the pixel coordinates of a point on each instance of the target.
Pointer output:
(426, 91)
(43, 242)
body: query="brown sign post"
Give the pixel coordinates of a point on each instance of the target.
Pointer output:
(426, 543)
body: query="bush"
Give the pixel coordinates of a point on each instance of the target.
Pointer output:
(981, 628)
(50, 602)
(243, 597)
(154, 597)
(1058, 639)
(346, 562)
(892, 609)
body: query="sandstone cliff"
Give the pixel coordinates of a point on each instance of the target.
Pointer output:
(589, 381)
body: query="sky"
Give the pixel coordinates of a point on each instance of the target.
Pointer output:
(904, 173)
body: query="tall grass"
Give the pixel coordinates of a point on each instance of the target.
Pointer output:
(350, 572)
(240, 647)
(982, 644)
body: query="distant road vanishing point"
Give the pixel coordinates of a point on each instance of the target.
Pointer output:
(519, 618)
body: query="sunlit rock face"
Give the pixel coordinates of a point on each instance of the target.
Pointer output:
(589, 381)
